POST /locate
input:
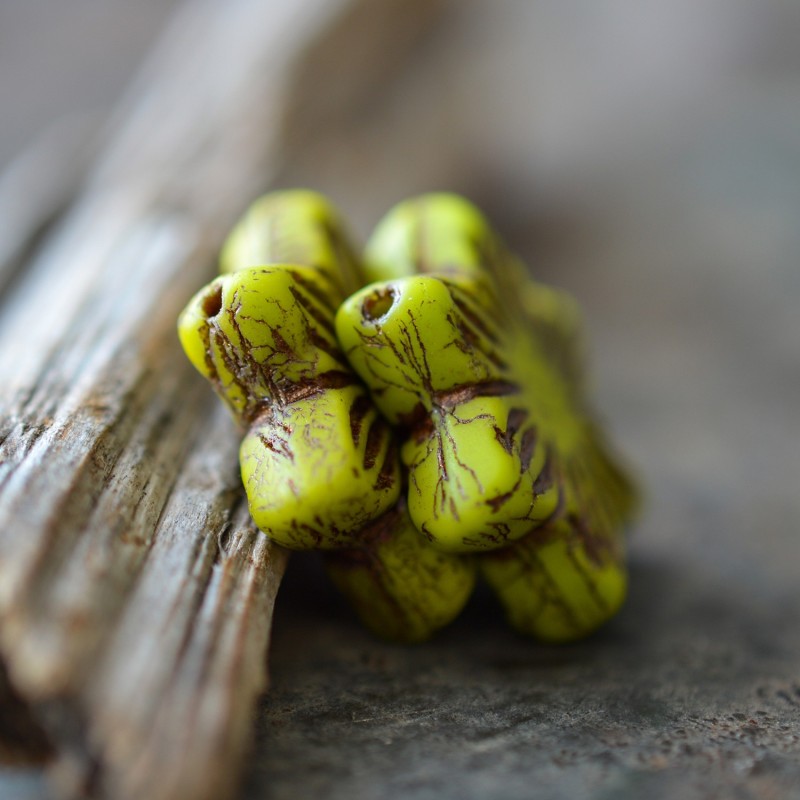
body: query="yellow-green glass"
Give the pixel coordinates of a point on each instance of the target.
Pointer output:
(400, 586)
(318, 462)
(449, 294)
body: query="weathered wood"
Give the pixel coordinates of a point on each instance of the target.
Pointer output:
(37, 185)
(22, 740)
(135, 594)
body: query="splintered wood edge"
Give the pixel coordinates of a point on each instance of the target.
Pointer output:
(136, 596)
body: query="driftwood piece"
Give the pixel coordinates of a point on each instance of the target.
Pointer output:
(135, 594)
(37, 185)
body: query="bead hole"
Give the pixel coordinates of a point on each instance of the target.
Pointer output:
(378, 303)
(212, 302)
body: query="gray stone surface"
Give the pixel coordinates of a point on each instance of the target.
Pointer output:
(691, 692)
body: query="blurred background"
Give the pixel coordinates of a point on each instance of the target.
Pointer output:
(644, 155)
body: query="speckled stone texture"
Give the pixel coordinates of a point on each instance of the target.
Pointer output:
(693, 691)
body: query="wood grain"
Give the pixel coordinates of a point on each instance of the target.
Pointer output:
(135, 594)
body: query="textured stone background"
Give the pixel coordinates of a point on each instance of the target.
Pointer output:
(648, 160)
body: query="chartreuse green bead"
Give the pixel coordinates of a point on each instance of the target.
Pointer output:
(294, 226)
(402, 588)
(436, 362)
(318, 462)
(446, 235)
(565, 573)
(437, 233)
(560, 582)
